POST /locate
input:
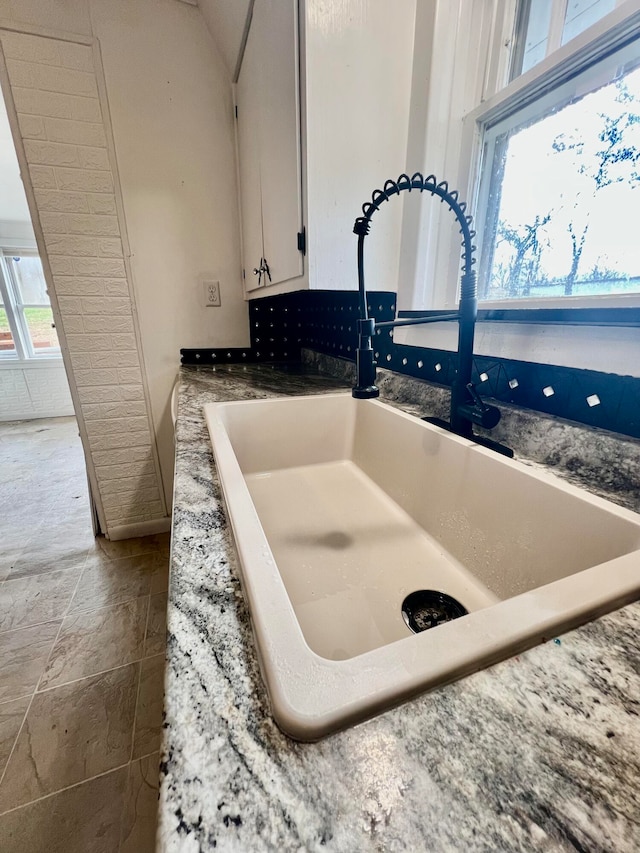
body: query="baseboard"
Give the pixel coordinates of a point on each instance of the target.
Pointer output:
(140, 528)
(37, 416)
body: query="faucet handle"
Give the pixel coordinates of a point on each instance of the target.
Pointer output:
(477, 399)
(479, 413)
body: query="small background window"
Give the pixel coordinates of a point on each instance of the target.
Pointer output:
(7, 345)
(544, 25)
(27, 327)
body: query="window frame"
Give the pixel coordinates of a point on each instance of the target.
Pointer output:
(23, 351)
(615, 31)
(480, 48)
(448, 143)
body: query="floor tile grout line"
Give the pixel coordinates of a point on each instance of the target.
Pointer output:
(147, 755)
(33, 625)
(143, 656)
(131, 556)
(55, 642)
(15, 741)
(48, 796)
(66, 788)
(45, 571)
(135, 712)
(108, 669)
(68, 611)
(75, 681)
(146, 626)
(123, 810)
(35, 690)
(43, 621)
(124, 805)
(15, 699)
(69, 614)
(88, 779)
(84, 560)
(123, 601)
(92, 675)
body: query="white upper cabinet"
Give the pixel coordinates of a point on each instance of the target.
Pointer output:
(349, 66)
(268, 124)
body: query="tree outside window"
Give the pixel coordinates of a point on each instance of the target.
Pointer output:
(564, 189)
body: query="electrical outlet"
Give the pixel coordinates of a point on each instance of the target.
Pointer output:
(212, 294)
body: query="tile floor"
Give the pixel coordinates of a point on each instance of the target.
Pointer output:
(82, 640)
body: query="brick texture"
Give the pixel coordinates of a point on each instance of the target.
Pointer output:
(34, 392)
(61, 123)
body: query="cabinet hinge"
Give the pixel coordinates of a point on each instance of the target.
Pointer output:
(235, 107)
(302, 241)
(243, 274)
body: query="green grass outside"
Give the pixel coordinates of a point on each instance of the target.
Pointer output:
(39, 316)
(39, 321)
(6, 338)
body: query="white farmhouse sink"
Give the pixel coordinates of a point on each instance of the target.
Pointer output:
(341, 508)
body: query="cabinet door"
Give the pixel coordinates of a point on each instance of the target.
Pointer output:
(248, 124)
(277, 23)
(268, 99)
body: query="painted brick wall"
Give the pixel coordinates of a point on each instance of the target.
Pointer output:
(62, 123)
(34, 392)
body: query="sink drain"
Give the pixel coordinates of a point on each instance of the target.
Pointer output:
(426, 608)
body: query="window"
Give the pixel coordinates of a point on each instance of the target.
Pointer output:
(560, 168)
(488, 104)
(7, 344)
(561, 187)
(544, 25)
(26, 321)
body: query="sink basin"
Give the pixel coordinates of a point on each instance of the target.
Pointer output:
(343, 508)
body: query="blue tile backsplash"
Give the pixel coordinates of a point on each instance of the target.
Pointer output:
(325, 321)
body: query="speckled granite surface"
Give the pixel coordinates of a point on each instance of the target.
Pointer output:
(541, 752)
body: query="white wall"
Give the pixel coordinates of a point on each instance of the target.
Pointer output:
(17, 234)
(170, 102)
(359, 58)
(30, 391)
(172, 115)
(14, 210)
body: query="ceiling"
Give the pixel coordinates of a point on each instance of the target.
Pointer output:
(226, 21)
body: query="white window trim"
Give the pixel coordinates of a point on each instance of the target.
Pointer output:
(459, 71)
(19, 354)
(460, 165)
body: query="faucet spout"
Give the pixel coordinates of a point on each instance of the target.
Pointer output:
(466, 407)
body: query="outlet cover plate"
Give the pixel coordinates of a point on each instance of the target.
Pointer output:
(211, 294)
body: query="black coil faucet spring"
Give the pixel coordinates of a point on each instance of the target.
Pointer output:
(466, 407)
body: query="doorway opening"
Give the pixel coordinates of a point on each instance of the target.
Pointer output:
(33, 383)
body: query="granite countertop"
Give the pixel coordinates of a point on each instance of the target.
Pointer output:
(540, 752)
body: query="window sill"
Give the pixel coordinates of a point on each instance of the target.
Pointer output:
(9, 363)
(565, 316)
(606, 348)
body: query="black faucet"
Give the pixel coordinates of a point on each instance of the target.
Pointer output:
(466, 408)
